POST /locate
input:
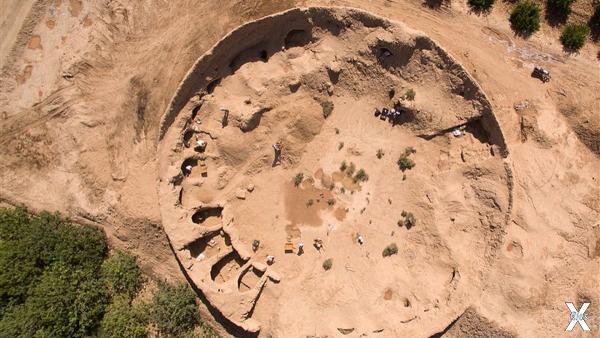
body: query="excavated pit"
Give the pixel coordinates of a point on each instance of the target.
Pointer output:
(310, 81)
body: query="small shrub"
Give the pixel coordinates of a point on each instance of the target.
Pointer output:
(361, 176)
(327, 107)
(410, 94)
(174, 309)
(327, 264)
(525, 17)
(380, 153)
(337, 131)
(389, 250)
(298, 179)
(330, 202)
(481, 5)
(343, 166)
(340, 145)
(343, 190)
(405, 162)
(350, 170)
(573, 36)
(309, 203)
(122, 275)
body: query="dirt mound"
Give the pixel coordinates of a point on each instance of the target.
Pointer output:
(300, 113)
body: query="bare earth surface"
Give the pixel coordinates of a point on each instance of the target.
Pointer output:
(507, 215)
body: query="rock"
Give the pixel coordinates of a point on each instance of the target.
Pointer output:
(274, 277)
(330, 89)
(294, 85)
(240, 194)
(250, 187)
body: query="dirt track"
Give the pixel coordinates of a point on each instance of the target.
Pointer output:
(81, 121)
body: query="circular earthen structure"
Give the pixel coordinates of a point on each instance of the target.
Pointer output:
(311, 79)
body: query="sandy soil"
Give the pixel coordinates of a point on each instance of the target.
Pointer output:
(84, 88)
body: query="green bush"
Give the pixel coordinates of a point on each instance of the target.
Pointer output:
(361, 176)
(174, 309)
(405, 162)
(389, 250)
(298, 179)
(123, 320)
(122, 275)
(327, 107)
(573, 36)
(481, 5)
(327, 264)
(525, 17)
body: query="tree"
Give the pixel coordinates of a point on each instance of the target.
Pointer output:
(124, 320)
(594, 23)
(122, 275)
(63, 303)
(327, 264)
(525, 17)
(174, 309)
(557, 11)
(481, 5)
(573, 36)
(48, 275)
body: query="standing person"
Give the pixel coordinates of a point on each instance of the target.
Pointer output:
(277, 148)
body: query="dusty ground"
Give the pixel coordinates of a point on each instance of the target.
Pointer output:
(84, 86)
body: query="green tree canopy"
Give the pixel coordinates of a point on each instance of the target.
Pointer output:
(174, 309)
